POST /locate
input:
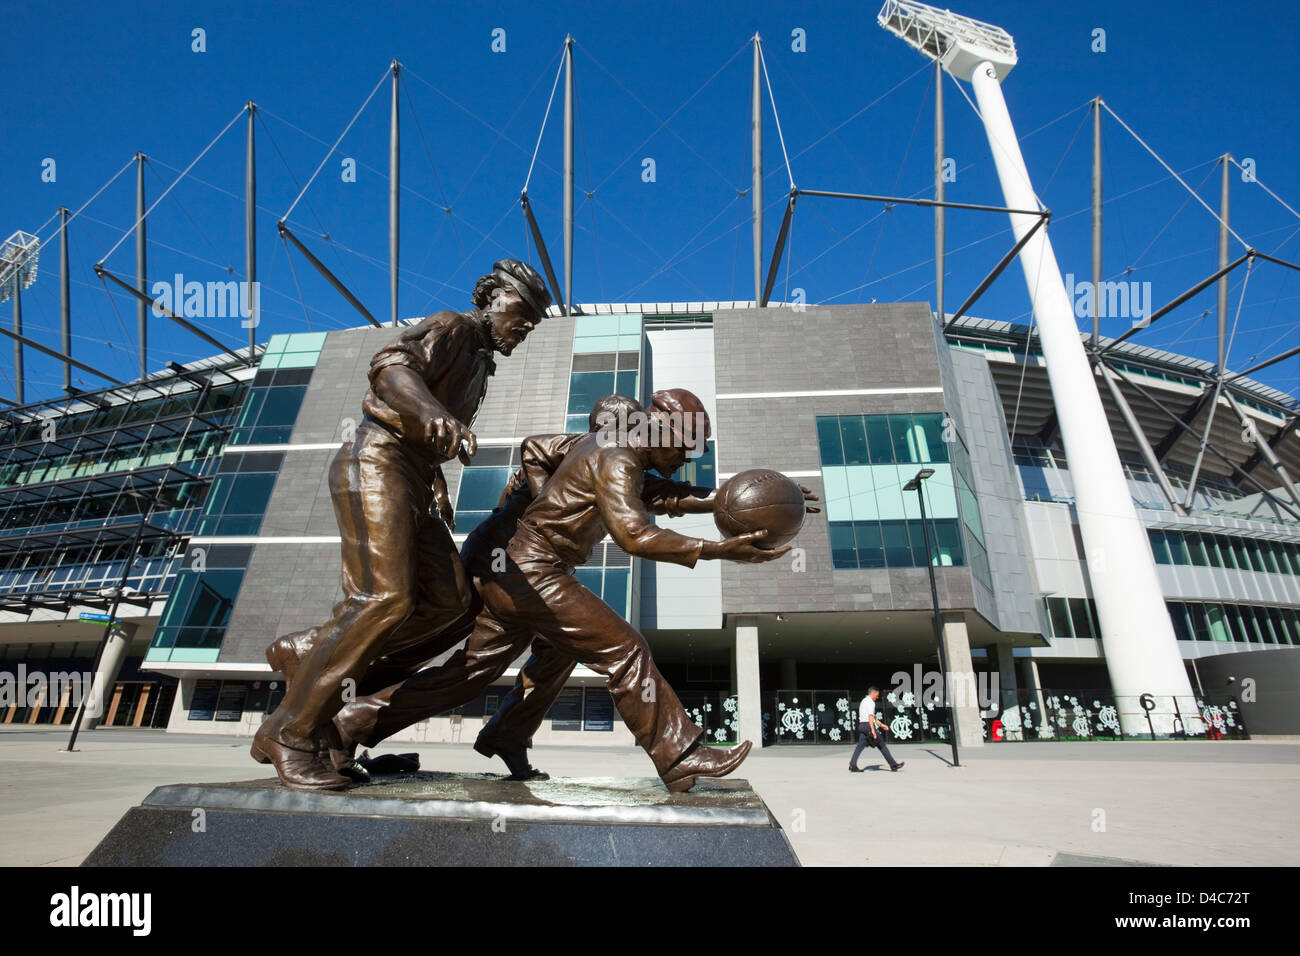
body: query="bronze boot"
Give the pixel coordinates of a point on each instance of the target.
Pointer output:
(297, 769)
(704, 761)
(513, 753)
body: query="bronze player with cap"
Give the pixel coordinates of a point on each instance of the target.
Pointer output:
(403, 581)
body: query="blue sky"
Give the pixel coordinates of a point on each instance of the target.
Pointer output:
(89, 84)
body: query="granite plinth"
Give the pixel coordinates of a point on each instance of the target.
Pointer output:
(450, 819)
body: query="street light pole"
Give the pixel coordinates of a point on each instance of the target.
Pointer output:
(946, 681)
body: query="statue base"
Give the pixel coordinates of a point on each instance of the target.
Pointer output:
(450, 819)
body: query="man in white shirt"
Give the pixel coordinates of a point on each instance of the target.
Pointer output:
(871, 733)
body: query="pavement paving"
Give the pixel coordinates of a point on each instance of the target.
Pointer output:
(1182, 803)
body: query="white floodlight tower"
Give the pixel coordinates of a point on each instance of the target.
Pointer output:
(1141, 649)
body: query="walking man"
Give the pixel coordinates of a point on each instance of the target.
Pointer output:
(871, 733)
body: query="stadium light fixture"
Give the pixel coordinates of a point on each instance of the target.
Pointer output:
(19, 257)
(958, 42)
(1142, 651)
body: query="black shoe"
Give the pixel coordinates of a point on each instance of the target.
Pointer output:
(856, 769)
(897, 767)
(515, 756)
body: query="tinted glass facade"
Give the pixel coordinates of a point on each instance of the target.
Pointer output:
(866, 460)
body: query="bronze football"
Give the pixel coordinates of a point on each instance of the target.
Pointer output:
(760, 500)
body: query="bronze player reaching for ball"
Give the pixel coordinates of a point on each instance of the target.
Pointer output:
(596, 489)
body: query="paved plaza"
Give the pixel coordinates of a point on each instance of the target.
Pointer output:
(1179, 803)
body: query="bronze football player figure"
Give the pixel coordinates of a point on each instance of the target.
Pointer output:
(597, 489)
(403, 581)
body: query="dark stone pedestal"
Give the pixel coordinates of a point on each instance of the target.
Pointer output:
(450, 819)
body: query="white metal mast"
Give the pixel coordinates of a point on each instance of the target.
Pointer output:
(1141, 649)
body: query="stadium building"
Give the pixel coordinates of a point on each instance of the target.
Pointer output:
(188, 511)
(193, 507)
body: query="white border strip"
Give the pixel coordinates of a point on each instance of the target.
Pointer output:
(254, 539)
(788, 474)
(232, 449)
(927, 390)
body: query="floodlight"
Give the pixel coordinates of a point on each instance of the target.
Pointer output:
(18, 259)
(958, 42)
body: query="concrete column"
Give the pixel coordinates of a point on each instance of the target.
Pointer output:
(1004, 665)
(961, 681)
(749, 703)
(1032, 682)
(110, 665)
(789, 674)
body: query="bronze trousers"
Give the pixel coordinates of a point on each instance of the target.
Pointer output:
(403, 582)
(539, 599)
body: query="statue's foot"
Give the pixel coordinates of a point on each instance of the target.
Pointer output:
(338, 750)
(704, 761)
(514, 754)
(297, 769)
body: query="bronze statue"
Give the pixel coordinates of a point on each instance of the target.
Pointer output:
(403, 581)
(596, 489)
(509, 733)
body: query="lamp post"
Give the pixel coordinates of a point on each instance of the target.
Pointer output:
(945, 682)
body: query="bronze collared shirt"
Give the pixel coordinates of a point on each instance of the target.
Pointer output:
(594, 491)
(452, 353)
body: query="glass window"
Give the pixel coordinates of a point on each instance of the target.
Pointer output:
(898, 544)
(854, 437)
(828, 441)
(249, 494)
(1256, 559)
(1211, 542)
(617, 582)
(918, 534)
(1293, 623)
(1249, 625)
(589, 578)
(882, 446)
(1196, 546)
(843, 551)
(1160, 547)
(1080, 618)
(1178, 614)
(586, 388)
(480, 489)
(467, 521)
(1218, 622)
(1279, 629)
(948, 534)
(1227, 552)
(900, 434)
(928, 433)
(871, 550)
(1200, 624)
(1059, 616)
(625, 384)
(1270, 556)
(281, 405)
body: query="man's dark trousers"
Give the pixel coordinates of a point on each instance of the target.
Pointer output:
(865, 740)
